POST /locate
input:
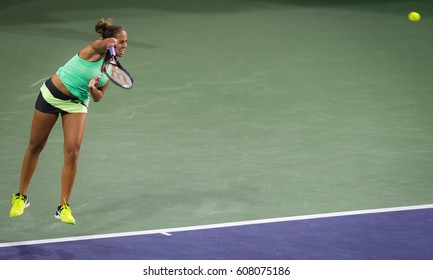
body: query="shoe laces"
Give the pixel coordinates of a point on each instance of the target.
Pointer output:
(19, 198)
(65, 207)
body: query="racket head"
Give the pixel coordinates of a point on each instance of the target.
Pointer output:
(117, 74)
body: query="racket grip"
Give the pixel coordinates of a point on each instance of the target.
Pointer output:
(112, 51)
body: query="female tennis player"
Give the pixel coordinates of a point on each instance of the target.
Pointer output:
(67, 94)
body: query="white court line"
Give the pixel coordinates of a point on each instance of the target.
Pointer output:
(168, 231)
(39, 81)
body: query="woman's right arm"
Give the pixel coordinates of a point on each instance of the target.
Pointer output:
(96, 50)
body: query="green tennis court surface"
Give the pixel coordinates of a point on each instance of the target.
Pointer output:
(241, 110)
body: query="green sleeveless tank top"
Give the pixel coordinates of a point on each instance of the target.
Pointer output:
(77, 73)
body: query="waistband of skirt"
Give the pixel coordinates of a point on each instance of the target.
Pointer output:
(56, 92)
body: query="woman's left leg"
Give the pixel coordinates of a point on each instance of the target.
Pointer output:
(73, 131)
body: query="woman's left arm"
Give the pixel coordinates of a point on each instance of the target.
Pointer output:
(97, 92)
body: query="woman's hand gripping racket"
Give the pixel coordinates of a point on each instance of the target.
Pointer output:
(115, 71)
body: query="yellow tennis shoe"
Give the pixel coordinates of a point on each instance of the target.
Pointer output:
(64, 213)
(19, 203)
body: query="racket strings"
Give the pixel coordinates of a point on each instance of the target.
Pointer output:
(119, 76)
(116, 73)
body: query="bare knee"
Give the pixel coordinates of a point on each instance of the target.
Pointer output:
(35, 148)
(71, 153)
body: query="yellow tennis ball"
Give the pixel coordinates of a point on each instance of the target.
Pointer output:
(414, 16)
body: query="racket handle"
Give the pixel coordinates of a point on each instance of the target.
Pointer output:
(112, 51)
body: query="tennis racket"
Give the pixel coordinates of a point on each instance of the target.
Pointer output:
(115, 71)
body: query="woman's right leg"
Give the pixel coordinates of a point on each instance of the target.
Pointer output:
(41, 127)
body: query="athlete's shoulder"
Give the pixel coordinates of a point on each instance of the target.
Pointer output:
(92, 52)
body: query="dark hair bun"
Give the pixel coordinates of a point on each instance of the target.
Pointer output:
(103, 25)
